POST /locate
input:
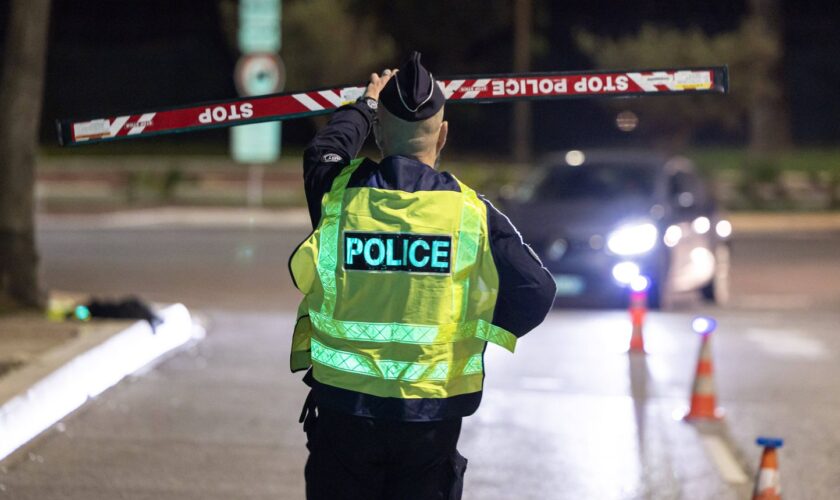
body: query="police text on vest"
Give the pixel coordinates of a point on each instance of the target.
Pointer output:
(408, 252)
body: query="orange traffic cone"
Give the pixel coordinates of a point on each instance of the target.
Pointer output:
(703, 397)
(638, 309)
(767, 485)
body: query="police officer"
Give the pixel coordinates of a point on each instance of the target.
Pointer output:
(406, 276)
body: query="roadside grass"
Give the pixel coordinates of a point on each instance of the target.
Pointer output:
(160, 146)
(132, 175)
(798, 160)
(710, 159)
(801, 179)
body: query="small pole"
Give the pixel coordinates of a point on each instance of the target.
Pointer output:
(521, 123)
(255, 185)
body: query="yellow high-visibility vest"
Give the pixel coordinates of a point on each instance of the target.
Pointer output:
(399, 290)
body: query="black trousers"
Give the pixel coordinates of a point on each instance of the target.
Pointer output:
(369, 459)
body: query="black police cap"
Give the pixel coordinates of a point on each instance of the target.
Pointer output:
(412, 94)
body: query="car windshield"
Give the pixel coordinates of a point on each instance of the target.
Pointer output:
(606, 180)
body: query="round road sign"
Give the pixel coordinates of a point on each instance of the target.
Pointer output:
(259, 74)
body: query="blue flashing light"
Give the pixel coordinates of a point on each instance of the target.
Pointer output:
(769, 442)
(703, 325)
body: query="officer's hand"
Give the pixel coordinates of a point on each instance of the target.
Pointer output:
(377, 83)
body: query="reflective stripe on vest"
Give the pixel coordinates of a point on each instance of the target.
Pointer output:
(394, 370)
(412, 334)
(328, 246)
(396, 358)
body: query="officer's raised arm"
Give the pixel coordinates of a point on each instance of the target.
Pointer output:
(334, 146)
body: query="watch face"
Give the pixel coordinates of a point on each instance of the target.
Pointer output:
(372, 103)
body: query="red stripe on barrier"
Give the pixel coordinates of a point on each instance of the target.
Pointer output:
(317, 97)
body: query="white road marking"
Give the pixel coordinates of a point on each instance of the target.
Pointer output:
(774, 301)
(788, 343)
(729, 468)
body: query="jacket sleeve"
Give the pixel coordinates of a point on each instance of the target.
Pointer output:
(526, 288)
(333, 148)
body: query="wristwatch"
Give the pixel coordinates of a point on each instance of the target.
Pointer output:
(370, 102)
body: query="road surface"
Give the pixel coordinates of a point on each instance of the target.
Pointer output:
(570, 415)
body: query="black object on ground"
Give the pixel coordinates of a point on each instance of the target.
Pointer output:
(127, 308)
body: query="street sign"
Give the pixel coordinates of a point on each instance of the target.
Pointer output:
(259, 26)
(258, 72)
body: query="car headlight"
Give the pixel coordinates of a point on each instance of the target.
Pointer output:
(633, 239)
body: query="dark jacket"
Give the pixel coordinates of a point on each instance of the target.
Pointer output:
(526, 289)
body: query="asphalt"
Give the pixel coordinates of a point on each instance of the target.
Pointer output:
(207, 424)
(570, 415)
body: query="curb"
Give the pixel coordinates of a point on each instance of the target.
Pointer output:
(298, 218)
(52, 386)
(764, 223)
(168, 217)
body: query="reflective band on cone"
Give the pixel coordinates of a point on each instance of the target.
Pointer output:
(767, 484)
(703, 397)
(638, 309)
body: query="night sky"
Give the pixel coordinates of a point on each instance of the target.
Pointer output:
(109, 56)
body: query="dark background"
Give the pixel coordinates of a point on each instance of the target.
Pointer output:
(110, 56)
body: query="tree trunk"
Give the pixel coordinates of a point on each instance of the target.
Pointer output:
(21, 93)
(769, 118)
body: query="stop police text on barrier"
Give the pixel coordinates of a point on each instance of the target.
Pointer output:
(226, 112)
(548, 86)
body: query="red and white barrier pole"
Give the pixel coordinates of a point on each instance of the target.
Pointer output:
(473, 88)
